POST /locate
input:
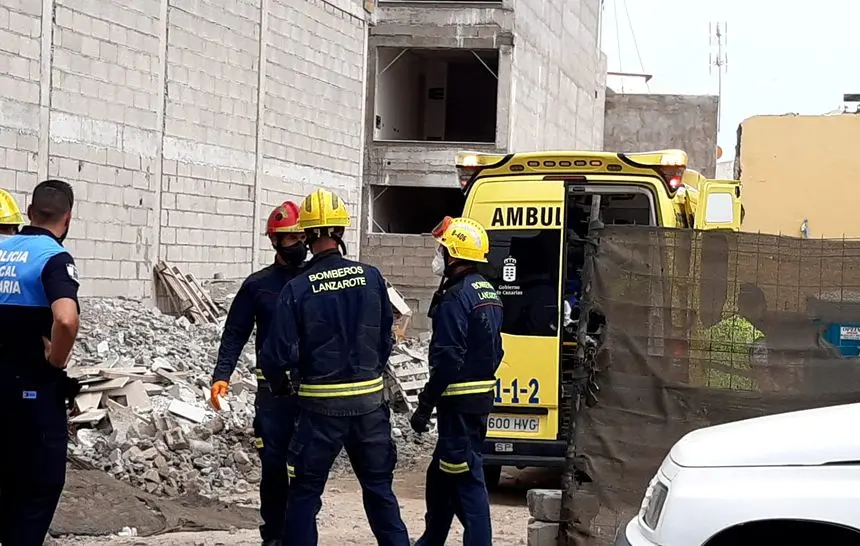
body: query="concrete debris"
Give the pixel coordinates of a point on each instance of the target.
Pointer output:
(143, 414)
(544, 504)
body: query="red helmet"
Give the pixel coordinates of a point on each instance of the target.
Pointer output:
(284, 219)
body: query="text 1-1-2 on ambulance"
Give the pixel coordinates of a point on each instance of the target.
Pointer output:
(536, 208)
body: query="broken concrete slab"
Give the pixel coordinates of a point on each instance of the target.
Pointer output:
(134, 394)
(544, 504)
(91, 417)
(88, 401)
(108, 385)
(187, 411)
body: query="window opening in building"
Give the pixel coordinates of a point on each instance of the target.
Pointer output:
(412, 210)
(436, 94)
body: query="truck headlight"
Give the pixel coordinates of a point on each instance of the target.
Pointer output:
(652, 504)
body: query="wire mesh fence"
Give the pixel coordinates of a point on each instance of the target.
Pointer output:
(705, 328)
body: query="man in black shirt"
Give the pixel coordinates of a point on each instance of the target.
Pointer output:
(38, 326)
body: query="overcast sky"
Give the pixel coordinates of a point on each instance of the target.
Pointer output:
(780, 59)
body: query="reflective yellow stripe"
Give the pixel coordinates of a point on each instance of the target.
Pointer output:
(342, 389)
(259, 374)
(470, 387)
(258, 442)
(291, 471)
(453, 468)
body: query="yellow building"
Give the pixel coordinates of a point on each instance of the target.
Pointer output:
(796, 168)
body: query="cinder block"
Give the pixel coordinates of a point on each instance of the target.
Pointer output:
(542, 533)
(544, 504)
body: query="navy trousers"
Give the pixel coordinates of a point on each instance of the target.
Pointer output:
(455, 482)
(274, 420)
(317, 441)
(32, 461)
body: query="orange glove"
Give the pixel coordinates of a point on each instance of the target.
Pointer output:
(219, 388)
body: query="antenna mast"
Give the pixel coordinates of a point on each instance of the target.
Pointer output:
(718, 59)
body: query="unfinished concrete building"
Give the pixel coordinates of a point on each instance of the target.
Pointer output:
(444, 76)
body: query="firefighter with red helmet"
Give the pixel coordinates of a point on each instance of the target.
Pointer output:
(274, 418)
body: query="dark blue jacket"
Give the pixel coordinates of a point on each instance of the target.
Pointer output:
(332, 329)
(254, 303)
(466, 347)
(35, 271)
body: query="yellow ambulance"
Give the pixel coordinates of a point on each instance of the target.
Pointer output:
(536, 208)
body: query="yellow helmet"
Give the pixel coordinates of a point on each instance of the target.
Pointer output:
(464, 238)
(10, 214)
(323, 209)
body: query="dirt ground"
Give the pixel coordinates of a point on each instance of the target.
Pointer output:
(342, 521)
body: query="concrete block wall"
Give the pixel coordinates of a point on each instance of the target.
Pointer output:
(179, 123)
(405, 261)
(312, 127)
(642, 122)
(558, 76)
(20, 113)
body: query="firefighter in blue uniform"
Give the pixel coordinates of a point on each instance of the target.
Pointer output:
(332, 333)
(38, 326)
(274, 411)
(465, 352)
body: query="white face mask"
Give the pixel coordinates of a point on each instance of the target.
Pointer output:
(438, 264)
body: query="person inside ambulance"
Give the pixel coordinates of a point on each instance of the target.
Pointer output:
(274, 412)
(10, 215)
(332, 338)
(465, 352)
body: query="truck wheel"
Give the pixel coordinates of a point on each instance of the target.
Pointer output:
(492, 476)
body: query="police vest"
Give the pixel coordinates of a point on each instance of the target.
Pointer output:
(22, 259)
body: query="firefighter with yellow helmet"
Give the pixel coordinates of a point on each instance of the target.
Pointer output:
(331, 340)
(465, 352)
(10, 215)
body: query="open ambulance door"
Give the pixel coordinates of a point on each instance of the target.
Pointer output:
(719, 205)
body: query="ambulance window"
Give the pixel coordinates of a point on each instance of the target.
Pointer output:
(523, 266)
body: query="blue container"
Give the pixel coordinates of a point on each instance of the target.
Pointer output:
(845, 337)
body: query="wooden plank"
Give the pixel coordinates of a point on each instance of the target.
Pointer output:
(216, 309)
(195, 312)
(203, 305)
(183, 284)
(182, 304)
(199, 302)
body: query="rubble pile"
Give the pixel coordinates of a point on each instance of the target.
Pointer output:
(143, 413)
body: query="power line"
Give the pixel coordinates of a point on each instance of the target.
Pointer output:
(635, 42)
(618, 40)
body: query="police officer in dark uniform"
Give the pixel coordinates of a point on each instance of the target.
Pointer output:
(38, 326)
(274, 412)
(332, 331)
(465, 352)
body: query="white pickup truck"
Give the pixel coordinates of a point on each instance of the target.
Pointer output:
(792, 478)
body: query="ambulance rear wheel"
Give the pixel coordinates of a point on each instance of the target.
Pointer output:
(492, 476)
